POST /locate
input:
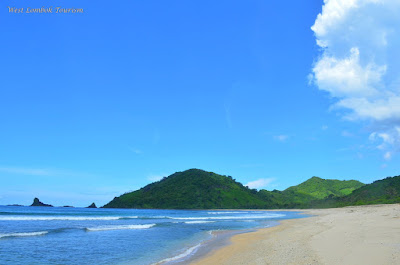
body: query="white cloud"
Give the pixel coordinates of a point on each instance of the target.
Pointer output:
(259, 183)
(360, 63)
(388, 155)
(388, 141)
(281, 138)
(346, 77)
(324, 127)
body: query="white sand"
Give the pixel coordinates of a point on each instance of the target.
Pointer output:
(351, 235)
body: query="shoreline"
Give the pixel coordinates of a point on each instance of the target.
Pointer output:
(349, 235)
(221, 239)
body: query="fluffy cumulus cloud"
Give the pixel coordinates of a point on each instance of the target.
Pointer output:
(259, 183)
(360, 64)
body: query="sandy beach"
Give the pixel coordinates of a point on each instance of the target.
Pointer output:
(350, 235)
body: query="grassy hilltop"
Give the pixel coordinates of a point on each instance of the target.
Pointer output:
(379, 192)
(306, 194)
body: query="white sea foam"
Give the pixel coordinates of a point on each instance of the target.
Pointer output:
(265, 216)
(224, 212)
(23, 234)
(119, 227)
(198, 222)
(62, 218)
(180, 256)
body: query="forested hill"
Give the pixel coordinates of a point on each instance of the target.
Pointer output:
(309, 193)
(191, 189)
(381, 191)
(198, 189)
(321, 188)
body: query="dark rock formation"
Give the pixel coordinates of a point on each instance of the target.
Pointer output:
(92, 206)
(36, 202)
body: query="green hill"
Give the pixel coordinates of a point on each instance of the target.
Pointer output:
(198, 189)
(321, 188)
(313, 189)
(285, 199)
(191, 189)
(379, 192)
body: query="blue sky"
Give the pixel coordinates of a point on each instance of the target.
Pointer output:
(96, 104)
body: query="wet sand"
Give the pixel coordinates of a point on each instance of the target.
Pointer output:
(347, 236)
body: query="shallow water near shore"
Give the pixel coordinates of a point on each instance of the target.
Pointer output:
(44, 235)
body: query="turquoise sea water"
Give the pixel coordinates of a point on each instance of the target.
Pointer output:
(44, 235)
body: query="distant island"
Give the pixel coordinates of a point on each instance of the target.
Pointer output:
(199, 189)
(37, 202)
(93, 205)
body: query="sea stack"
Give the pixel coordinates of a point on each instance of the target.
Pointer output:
(37, 202)
(92, 206)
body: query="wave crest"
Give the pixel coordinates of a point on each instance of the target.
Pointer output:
(40, 233)
(199, 222)
(63, 218)
(225, 212)
(119, 227)
(266, 216)
(188, 252)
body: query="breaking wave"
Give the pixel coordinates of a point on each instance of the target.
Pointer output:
(119, 227)
(225, 212)
(198, 222)
(231, 217)
(24, 234)
(63, 218)
(188, 252)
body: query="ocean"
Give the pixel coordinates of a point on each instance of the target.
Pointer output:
(62, 235)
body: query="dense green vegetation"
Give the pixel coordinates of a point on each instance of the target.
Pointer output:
(306, 194)
(285, 199)
(198, 189)
(321, 188)
(191, 189)
(379, 192)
